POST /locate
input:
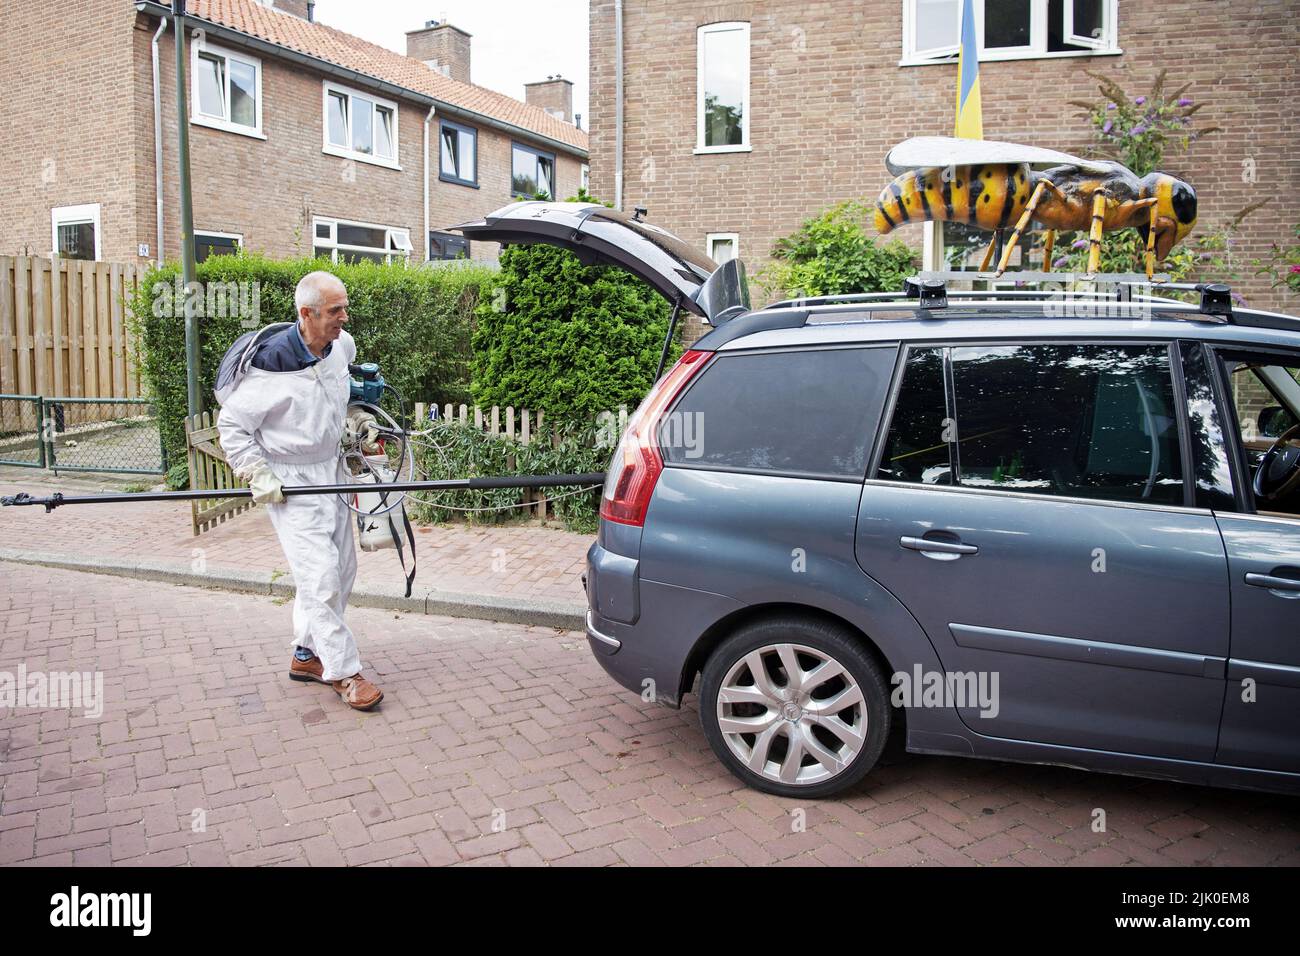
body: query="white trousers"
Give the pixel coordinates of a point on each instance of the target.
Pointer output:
(315, 532)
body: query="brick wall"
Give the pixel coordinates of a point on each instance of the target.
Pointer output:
(828, 99)
(63, 64)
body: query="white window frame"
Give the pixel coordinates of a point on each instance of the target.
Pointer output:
(198, 117)
(238, 237)
(394, 236)
(348, 152)
(584, 177)
(716, 237)
(1107, 45)
(74, 215)
(744, 146)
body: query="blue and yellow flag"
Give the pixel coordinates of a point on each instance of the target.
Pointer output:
(970, 117)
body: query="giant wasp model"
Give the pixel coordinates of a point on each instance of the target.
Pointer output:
(992, 185)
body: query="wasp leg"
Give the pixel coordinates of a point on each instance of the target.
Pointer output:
(988, 255)
(1151, 244)
(1094, 234)
(1028, 214)
(1049, 240)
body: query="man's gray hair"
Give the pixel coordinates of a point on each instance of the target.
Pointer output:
(311, 289)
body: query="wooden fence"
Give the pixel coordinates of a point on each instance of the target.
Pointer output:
(63, 329)
(500, 421)
(209, 471)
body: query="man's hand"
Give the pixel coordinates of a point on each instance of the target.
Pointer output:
(264, 485)
(361, 426)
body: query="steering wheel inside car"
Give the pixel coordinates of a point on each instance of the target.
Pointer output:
(1278, 473)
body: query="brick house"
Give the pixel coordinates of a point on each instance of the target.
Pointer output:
(302, 137)
(806, 97)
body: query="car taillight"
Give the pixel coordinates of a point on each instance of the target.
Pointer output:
(636, 464)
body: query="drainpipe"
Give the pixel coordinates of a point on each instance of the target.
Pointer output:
(618, 104)
(427, 120)
(157, 141)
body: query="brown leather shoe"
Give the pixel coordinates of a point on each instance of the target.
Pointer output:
(307, 670)
(358, 692)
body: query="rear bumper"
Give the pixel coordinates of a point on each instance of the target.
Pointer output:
(650, 655)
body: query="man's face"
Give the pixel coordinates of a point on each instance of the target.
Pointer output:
(324, 323)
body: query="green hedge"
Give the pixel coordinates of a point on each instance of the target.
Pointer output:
(415, 322)
(455, 450)
(571, 340)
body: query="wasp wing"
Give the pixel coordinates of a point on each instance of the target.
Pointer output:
(926, 152)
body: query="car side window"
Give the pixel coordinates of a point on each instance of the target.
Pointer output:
(810, 412)
(1084, 421)
(916, 448)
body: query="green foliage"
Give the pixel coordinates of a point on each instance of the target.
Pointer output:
(1283, 264)
(832, 254)
(455, 450)
(415, 322)
(1142, 132)
(1137, 131)
(178, 476)
(571, 340)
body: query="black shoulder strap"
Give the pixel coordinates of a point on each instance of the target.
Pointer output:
(401, 556)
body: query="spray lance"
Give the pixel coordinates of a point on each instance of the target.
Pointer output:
(376, 464)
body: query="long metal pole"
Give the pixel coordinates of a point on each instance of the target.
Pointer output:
(194, 399)
(442, 484)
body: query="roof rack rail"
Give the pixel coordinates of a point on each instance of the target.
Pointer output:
(929, 290)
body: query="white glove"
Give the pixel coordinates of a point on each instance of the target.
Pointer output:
(361, 426)
(264, 485)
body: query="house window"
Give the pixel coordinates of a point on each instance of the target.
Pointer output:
(1010, 29)
(446, 245)
(531, 172)
(585, 177)
(227, 90)
(74, 231)
(341, 241)
(722, 94)
(459, 163)
(723, 246)
(216, 244)
(359, 126)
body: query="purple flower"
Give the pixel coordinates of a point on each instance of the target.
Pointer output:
(1110, 124)
(1238, 298)
(1185, 101)
(1140, 100)
(1079, 244)
(1110, 106)
(1139, 129)
(1062, 261)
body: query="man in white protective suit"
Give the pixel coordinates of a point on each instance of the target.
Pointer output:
(282, 425)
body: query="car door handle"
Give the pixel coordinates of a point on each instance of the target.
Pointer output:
(1272, 582)
(928, 546)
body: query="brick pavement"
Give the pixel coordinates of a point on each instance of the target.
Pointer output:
(518, 561)
(496, 744)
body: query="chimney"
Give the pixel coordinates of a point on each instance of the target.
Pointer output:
(299, 8)
(553, 94)
(442, 47)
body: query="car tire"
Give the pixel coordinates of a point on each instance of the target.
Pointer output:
(839, 734)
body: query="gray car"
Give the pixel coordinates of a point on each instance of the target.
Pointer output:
(1053, 529)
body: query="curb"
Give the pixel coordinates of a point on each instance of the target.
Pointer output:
(483, 607)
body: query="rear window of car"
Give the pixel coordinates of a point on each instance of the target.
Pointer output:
(808, 413)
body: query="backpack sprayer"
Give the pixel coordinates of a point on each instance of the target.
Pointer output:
(377, 450)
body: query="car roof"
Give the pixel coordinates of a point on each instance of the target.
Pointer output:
(790, 326)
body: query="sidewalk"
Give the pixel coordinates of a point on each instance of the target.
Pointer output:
(520, 573)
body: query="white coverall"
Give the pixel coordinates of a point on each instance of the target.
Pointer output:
(294, 421)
